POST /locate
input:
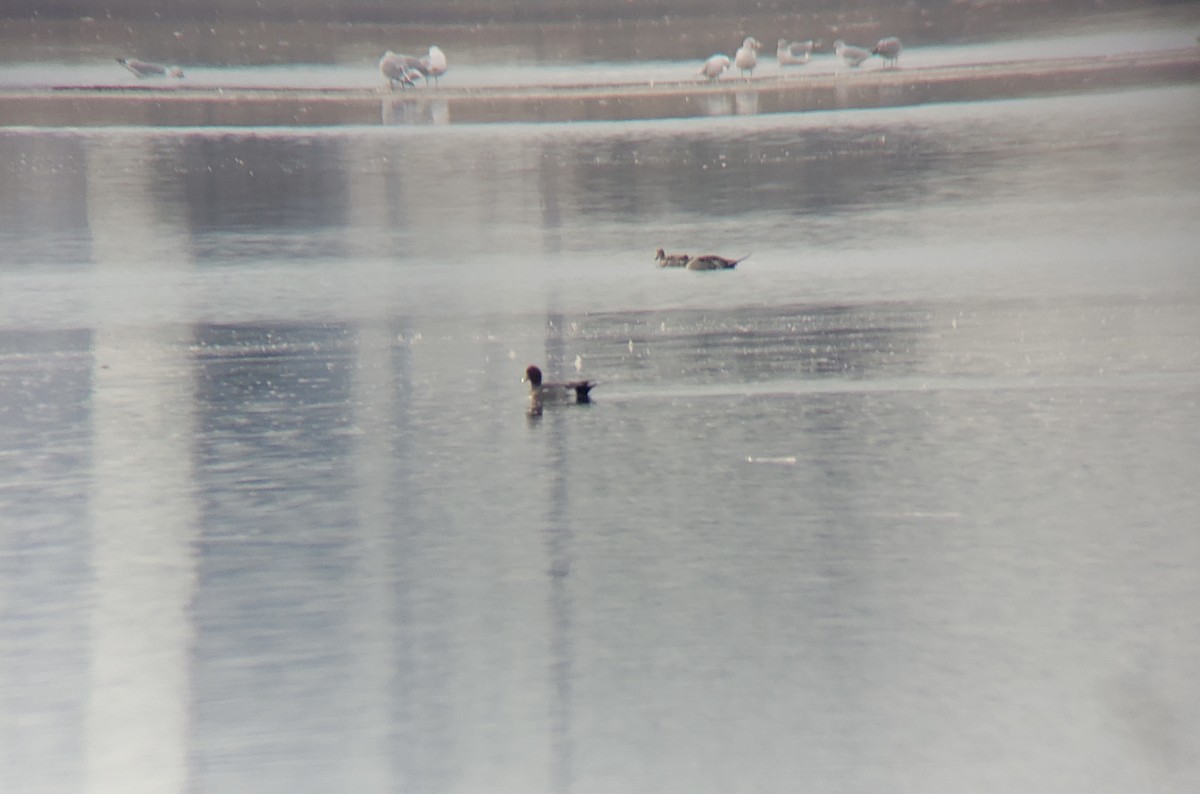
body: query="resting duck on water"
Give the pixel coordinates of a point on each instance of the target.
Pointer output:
(575, 391)
(713, 262)
(671, 260)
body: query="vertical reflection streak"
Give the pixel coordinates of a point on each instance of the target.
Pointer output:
(559, 549)
(142, 506)
(373, 620)
(376, 622)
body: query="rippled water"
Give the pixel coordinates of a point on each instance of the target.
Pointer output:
(905, 502)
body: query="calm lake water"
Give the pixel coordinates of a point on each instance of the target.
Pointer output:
(907, 502)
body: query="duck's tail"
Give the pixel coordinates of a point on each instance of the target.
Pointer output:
(581, 390)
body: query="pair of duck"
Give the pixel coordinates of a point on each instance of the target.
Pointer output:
(407, 69)
(703, 262)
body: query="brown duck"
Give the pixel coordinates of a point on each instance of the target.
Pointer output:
(713, 262)
(671, 260)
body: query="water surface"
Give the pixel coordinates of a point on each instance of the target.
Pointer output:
(905, 503)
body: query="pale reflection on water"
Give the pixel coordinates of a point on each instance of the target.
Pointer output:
(904, 503)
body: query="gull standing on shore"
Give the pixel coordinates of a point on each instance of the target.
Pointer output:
(148, 69)
(794, 53)
(397, 68)
(746, 58)
(713, 67)
(852, 56)
(888, 49)
(433, 65)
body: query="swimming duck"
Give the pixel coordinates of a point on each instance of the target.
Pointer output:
(852, 56)
(713, 262)
(148, 69)
(671, 260)
(715, 64)
(794, 53)
(888, 49)
(746, 58)
(575, 391)
(398, 68)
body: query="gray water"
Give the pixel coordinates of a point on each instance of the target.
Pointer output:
(907, 502)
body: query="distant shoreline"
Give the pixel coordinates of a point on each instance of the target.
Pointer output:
(183, 105)
(535, 12)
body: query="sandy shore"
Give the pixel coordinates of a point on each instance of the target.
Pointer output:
(181, 105)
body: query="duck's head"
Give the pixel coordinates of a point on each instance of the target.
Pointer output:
(533, 376)
(660, 255)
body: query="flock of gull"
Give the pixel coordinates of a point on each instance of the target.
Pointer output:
(798, 53)
(406, 70)
(395, 67)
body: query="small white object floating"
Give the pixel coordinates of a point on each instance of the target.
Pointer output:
(780, 460)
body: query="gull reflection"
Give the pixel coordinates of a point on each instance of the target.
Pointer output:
(406, 110)
(718, 105)
(560, 549)
(746, 103)
(144, 512)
